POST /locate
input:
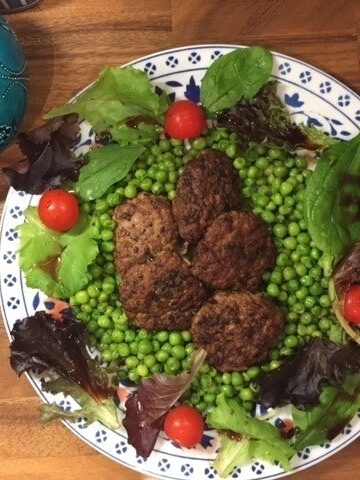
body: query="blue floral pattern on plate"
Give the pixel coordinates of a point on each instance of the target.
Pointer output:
(312, 97)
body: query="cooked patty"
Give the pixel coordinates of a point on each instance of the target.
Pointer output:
(145, 226)
(162, 293)
(237, 329)
(208, 186)
(235, 251)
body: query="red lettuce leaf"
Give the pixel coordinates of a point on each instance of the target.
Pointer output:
(347, 271)
(147, 407)
(41, 343)
(48, 158)
(301, 378)
(264, 119)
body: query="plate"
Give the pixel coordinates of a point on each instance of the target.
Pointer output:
(313, 97)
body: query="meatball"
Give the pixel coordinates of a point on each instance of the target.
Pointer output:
(145, 226)
(162, 293)
(209, 186)
(237, 329)
(235, 251)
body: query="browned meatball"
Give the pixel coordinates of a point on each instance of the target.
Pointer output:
(209, 186)
(237, 329)
(235, 251)
(145, 226)
(162, 293)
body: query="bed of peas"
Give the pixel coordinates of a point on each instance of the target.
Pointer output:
(273, 182)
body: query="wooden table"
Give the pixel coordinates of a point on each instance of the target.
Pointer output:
(67, 42)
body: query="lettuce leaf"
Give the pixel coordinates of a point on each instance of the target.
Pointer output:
(43, 344)
(104, 410)
(56, 263)
(117, 95)
(300, 379)
(265, 120)
(253, 438)
(49, 161)
(106, 166)
(147, 407)
(140, 134)
(325, 421)
(236, 75)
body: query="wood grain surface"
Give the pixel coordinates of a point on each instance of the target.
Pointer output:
(67, 42)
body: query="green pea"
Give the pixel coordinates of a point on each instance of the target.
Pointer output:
(157, 188)
(290, 243)
(268, 217)
(301, 270)
(294, 229)
(231, 150)
(178, 352)
(279, 230)
(162, 356)
(246, 394)
(130, 191)
(81, 297)
(146, 184)
(239, 163)
(172, 366)
(199, 143)
(289, 273)
(273, 290)
(291, 341)
(325, 301)
(175, 338)
(142, 370)
(145, 346)
(131, 361)
(161, 176)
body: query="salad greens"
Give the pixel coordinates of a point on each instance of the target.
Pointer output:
(43, 344)
(51, 261)
(265, 120)
(239, 74)
(332, 199)
(117, 95)
(106, 166)
(147, 407)
(300, 379)
(336, 408)
(255, 438)
(49, 160)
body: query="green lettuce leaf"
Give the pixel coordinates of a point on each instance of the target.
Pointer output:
(331, 205)
(107, 165)
(256, 438)
(336, 408)
(104, 411)
(56, 263)
(140, 135)
(118, 94)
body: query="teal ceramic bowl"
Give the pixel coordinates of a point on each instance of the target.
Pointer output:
(13, 84)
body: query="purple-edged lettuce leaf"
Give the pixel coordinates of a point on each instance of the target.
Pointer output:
(147, 407)
(41, 344)
(301, 378)
(265, 120)
(48, 161)
(336, 408)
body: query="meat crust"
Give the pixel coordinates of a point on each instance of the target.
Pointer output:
(161, 294)
(208, 186)
(235, 251)
(145, 226)
(237, 329)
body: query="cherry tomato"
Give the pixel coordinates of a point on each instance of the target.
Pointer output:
(352, 305)
(184, 425)
(184, 119)
(58, 210)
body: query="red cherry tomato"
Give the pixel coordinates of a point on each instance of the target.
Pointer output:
(184, 425)
(352, 305)
(184, 119)
(58, 210)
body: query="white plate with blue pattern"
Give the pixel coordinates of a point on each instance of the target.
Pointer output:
(313, 97)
